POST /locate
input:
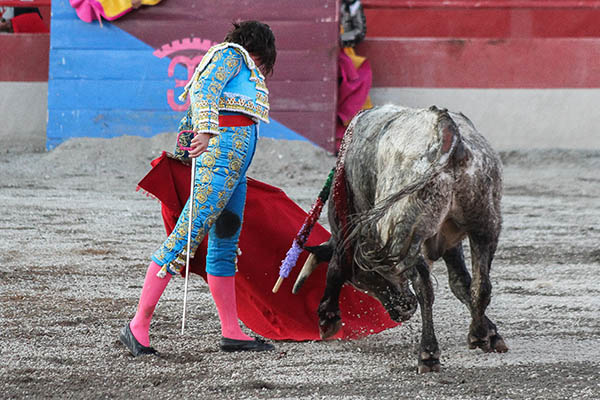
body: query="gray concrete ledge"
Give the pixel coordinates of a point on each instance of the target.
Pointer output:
(23, 114)
(515, 118)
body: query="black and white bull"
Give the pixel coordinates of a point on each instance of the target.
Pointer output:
(417, 183)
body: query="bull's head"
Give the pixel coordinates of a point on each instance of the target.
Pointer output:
(392, 291)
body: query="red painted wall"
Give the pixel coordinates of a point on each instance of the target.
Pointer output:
(482, 22)
(24, 57)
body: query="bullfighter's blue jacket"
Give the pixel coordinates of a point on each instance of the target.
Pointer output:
(226, 79)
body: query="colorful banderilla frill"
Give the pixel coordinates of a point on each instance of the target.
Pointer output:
(291, 257)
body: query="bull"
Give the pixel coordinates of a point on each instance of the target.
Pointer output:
(410, 186)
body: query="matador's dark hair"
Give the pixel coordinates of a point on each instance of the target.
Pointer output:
(258, 39)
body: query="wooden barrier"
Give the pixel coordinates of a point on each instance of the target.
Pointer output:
(25, 55)
(483, 44)
(125, 77)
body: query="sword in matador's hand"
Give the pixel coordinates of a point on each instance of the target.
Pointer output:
(189, 233)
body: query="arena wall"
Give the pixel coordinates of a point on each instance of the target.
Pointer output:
(524, 71)
(24, 85)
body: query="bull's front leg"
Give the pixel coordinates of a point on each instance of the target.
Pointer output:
(330, 320)
(429, 352)
(482, 332)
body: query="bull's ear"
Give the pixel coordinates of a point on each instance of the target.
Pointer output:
(452, 143)
(449, 133)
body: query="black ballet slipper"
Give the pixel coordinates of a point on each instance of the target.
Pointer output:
(134, 347)
(257, 344)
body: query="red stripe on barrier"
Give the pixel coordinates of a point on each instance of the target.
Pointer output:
(484, 63)
(24, 57)
(482, 22)
(25, 3)
(481, 4)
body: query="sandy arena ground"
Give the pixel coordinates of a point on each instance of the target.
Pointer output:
(75, 240)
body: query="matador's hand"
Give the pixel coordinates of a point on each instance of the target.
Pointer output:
(199, 144)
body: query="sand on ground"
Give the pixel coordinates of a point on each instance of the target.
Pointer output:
(75, 241)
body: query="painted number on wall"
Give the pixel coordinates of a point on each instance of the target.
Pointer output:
(187, 52)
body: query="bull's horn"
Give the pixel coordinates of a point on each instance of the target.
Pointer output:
(318, 254)
(309, 266)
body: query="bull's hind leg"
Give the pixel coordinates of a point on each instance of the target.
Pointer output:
(330, 320)
(461, 285)
(429, 352)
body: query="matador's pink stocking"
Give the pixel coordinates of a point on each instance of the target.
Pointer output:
(222, 289)
(151, 292)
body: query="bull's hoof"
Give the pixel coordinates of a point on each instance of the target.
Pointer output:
(429, 361)
(491, 344)
(425, 366)
(497, 343)
(330, 321)
(475, 343)
(330, 327)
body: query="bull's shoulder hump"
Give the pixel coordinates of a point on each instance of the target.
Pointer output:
(370, 123)
(384, 112)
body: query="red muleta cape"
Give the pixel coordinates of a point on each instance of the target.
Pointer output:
(271, 221)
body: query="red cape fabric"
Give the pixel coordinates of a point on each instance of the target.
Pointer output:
(271, 221)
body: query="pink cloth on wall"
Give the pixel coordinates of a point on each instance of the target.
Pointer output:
(90, 10)
(353, 90)
(87, 10)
